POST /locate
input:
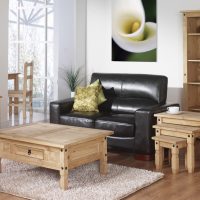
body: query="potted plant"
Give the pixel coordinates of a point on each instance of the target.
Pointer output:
(73, 79)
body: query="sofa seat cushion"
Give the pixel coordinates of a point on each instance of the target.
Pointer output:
(121, 124)
(130, 105)
(82, 119)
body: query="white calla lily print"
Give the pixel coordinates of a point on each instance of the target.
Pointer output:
(130, 31)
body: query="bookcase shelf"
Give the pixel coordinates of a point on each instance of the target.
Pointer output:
(191, 36)
(197, 60)
(194, 108)
(194, 83)
(194, 34)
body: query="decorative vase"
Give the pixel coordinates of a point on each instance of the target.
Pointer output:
(72, 94)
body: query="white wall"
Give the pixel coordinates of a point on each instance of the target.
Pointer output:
(4, 57)
(169, 43)
(81, 25)
(64, 43)
(70, 35)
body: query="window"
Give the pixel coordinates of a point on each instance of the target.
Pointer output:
(31, 37)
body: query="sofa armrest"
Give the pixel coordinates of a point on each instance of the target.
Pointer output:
(144, 120)
(60, 107)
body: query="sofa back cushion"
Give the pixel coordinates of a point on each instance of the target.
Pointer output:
(141, 86)
(109, 81)
(130, 105)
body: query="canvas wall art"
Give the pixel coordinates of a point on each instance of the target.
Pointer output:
(134, 30)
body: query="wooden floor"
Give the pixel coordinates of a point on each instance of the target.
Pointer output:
(182, 186)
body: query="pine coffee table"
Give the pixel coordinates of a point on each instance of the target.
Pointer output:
(55, 146)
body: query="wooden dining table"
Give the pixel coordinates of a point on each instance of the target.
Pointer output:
(15, 78)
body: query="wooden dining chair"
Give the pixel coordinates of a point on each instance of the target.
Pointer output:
(26, 92)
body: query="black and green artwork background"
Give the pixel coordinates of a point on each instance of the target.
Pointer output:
(119, 54)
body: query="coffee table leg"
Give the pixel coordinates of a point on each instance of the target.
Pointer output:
(64, 169)
(63, 179)
(103, 160)
(190, 153)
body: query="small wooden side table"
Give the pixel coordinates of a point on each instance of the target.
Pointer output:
(172, 143)
(184, 125)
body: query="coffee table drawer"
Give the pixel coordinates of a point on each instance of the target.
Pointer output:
(29, 151)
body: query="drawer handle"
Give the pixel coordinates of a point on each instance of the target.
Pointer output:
(29, 151)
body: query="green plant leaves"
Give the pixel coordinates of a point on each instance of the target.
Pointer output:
(73, 78)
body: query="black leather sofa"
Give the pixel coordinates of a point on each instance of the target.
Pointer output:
(132, 101)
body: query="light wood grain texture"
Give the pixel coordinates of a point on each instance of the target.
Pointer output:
(158, 155)
(178, 128)
(182, 186)
(20, 96)
(15, 78)
(183, 118)
(182, 133)
(54, 146)
(172, 143)
(64, 169)
(190, 153)
(191, 55)
(103, 159)
(55, 135)
(184, 125)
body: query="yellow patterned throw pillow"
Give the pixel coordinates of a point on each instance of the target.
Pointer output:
(86, 99)
(101, 97)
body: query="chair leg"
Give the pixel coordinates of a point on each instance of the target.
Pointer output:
(16, 102)
(10, 107)
(31, 105)
(24, 108)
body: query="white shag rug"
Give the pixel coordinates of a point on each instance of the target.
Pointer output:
(85, 182)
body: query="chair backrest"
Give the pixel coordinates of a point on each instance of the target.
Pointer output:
(28, 78)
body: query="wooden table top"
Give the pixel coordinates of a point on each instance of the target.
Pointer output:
(185, 115)
(54, 135)
(12, 75)
(178, 127)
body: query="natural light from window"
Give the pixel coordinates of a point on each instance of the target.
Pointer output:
(31, 37)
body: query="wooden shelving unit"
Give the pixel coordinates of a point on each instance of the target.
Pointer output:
(191, 41)
(193, 34)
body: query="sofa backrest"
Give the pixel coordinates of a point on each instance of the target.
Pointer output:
(142, 86)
